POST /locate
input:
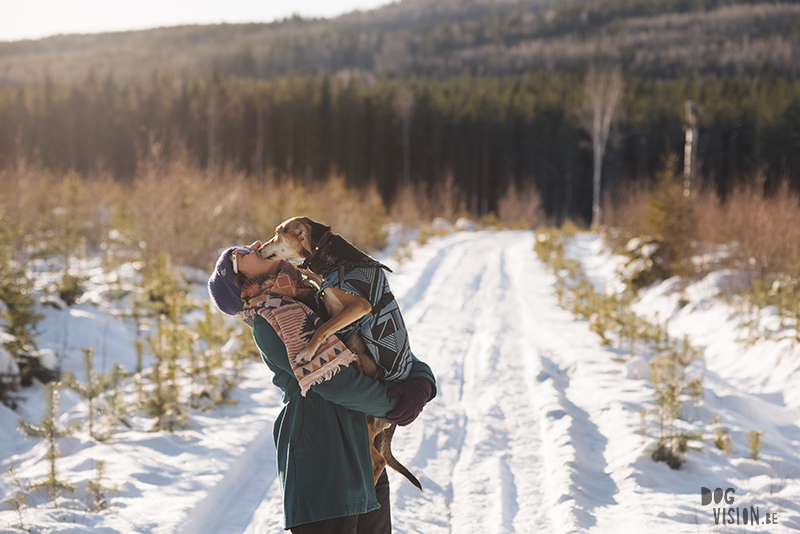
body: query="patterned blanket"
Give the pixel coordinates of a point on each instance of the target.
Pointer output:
(277, 298)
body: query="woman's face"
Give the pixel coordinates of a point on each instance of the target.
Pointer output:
(254, 265)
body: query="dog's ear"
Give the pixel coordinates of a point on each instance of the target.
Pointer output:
(317, 230)
(301, 232)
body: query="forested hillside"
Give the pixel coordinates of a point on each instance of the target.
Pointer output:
(662, 38)
(487, 93)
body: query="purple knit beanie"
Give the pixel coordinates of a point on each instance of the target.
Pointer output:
(225, 294)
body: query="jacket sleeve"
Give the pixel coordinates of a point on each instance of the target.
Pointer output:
(348, 388)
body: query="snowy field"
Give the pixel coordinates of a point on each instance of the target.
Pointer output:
(536, 426)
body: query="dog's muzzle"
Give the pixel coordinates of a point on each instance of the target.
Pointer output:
(262, 253)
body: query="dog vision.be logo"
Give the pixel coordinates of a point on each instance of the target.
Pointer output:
(731, 515)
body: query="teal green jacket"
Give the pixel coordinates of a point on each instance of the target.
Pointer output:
(321, 440)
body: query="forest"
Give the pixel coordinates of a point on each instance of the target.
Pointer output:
(486, 94)
(486, 133)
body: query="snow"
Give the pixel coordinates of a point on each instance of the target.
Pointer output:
(7, 363)
(535, 427)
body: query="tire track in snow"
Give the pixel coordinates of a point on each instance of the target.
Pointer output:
(412, 293)
(230, 505)
(574, 445)
(438, 436)
(478, 445)
(484, 494)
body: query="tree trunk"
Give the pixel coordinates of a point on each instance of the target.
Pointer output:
(259, 158)
(406, 151)
(212, 132)
(598, 168)
(690, 147)
(403, 105)
(601, 98)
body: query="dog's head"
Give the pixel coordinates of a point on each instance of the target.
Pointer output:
(294, 238)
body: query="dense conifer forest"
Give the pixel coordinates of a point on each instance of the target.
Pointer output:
(487, 94)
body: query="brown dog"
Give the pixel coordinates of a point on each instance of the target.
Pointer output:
(300, 237)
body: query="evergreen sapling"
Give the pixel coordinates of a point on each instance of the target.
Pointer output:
(97, 494)
(89, 390)
(19, 499)
(94, 388)
(116, 410)
(756, 442)
(170, 343)
(211, 385)
(51, 432)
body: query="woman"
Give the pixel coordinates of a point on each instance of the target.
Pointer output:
(321, 438)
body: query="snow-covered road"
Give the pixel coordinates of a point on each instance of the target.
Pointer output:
(478, 447)
(510, 444)
(474, 305)
(536, 426)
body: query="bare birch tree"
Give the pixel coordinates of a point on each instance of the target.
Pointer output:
(603, 90)
(690, 146)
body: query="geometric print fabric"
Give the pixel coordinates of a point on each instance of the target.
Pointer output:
(383, 329)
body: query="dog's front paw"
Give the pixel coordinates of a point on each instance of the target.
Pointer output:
(304, 356)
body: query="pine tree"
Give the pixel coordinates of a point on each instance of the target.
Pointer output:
(97, 494)
(671, 384)
(722, 436)
(19, 499)
(671, 221)
(755, 440)
(93, 387)
(172, 340)
(164, 401)
(68, 239)
(211, 386)
(19, 321)
(116, 410)
(50, 431)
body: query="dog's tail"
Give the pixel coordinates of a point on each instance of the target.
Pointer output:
(391, 461)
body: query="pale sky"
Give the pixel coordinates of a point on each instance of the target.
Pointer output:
(32, 19)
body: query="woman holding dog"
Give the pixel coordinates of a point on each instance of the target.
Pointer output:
(321, 437)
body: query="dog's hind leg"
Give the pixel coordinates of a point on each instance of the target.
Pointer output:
(375, 426)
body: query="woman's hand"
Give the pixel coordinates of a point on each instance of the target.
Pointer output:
(413, 394)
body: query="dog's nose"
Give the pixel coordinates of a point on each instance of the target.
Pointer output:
(261, 252)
